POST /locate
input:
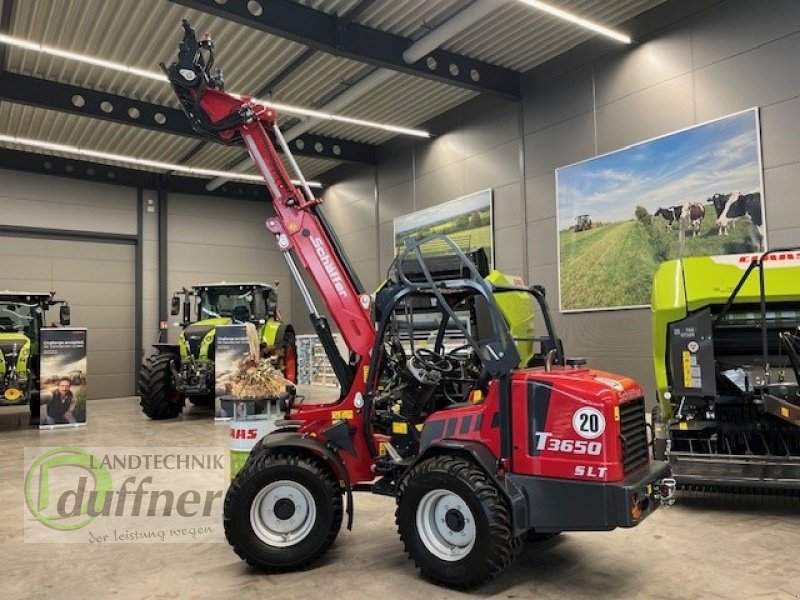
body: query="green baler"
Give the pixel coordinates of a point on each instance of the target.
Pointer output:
(725, 349)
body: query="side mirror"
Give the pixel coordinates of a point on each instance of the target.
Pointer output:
(64, 315)
(175, 306)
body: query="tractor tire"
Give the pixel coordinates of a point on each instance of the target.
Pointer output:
(454, 524)
(158, 397)
(267, 495)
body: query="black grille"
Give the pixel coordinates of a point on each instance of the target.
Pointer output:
(633, 430)
(194, 335)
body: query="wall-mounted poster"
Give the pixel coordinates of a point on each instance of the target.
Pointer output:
(695, 192)
(63, 377)
(466, 220)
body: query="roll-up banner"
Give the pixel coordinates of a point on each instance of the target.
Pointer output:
(62, 381)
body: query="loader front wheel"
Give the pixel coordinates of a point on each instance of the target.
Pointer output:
(282, 511)
(454, 524)
(158, 397)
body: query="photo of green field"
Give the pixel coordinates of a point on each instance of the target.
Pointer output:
(620, 215)
(612, 265)
(466, 221)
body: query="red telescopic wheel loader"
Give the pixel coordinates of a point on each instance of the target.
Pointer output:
(479, 445)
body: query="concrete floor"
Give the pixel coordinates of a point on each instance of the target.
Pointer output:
(725, 549)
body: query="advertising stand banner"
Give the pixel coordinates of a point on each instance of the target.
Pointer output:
(63, 377)
(232, 345)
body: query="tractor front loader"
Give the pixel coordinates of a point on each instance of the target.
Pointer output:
(22, 316)
(725, 345)
(479, 440)
(177, 372)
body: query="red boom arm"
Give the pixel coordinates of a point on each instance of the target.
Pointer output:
(296, 226)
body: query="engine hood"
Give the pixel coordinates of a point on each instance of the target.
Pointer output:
(586, 383)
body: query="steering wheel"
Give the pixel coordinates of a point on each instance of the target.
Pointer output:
(429, 359)
(458, 354)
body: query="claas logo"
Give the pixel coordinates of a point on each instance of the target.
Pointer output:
(244, 434)
(746, 258)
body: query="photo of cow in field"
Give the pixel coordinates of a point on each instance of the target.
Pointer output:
(730, 207)
(694, 213)
(671, 215)
(685, 216)
(719, 201)
(661, 199)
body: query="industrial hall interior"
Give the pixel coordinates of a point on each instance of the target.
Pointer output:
(419, 299)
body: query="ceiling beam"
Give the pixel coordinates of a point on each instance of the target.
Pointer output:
(31, 162)
(62, 97)
(342, 37)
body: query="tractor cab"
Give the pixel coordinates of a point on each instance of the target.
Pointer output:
(582, 223)
(238, 303)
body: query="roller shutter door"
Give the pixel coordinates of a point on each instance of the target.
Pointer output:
(98, 281)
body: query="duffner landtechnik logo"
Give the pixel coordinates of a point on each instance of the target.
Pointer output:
(123, 495)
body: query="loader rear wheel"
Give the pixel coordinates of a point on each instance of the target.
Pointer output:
(282, 511)
(158, 397)
(454, 524)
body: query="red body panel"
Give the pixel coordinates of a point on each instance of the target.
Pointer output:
(572, 444)
(553, 447)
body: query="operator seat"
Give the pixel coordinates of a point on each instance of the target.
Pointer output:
(7, 324)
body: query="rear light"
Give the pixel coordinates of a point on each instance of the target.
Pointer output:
(636, 509)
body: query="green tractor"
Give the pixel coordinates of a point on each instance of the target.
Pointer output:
(185, 370)
(22, 316)
(583, 223)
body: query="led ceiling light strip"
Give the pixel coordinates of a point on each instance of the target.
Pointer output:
(140, 162)
(573, 18)
(158, 76)
(83, 58)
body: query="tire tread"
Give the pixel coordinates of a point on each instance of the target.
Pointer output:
(504, 546)
(155, 387)
(263, 460)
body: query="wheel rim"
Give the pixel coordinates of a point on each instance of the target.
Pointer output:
(445, 525)
(283, 513)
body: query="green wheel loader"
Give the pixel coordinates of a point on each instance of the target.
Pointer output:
(177, 372)
(22, 316)
(725, 346)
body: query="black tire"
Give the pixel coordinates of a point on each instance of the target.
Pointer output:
(264, 469)
(158, 397)
(495, 547)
